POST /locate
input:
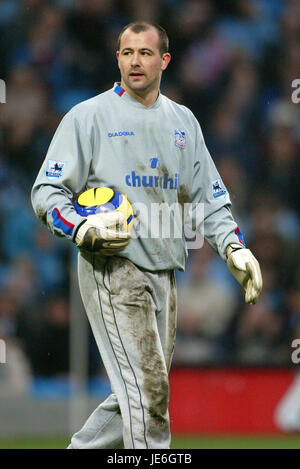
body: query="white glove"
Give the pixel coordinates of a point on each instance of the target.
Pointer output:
(245, 268)
(101, 233)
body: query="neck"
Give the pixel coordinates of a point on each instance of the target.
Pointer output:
(147, 98)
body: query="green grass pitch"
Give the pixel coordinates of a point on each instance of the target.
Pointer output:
(178, 442)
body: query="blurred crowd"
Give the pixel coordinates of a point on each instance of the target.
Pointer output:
(233, 64)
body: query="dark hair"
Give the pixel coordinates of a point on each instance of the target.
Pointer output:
(139, 26)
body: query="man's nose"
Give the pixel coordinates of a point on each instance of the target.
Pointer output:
(135, 60)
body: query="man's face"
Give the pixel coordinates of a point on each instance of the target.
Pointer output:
(139, 60)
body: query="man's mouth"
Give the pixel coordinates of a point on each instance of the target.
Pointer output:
(136, 74)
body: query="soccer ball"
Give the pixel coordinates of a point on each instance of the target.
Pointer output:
(104, 199)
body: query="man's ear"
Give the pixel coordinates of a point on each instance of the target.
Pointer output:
(166, 57)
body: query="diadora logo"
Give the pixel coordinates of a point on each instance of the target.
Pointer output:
(120, 134)
(165, 181)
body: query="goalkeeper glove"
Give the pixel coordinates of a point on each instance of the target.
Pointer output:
(101, 233)
(245, 268)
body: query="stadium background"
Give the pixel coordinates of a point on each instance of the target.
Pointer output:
(233, 64)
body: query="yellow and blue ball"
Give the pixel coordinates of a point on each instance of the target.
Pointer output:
(104, 199)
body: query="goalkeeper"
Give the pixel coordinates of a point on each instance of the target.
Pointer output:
(152, 149)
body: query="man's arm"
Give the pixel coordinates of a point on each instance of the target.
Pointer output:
(220, 229)
(64, 174)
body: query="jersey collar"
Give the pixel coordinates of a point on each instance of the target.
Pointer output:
(131, 100)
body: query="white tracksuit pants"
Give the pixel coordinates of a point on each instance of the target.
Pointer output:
(133, 316)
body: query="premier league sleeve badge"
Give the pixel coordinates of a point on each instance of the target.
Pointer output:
(55, 169)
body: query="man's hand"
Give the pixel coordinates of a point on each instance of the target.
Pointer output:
(245, 268)
(101, 233)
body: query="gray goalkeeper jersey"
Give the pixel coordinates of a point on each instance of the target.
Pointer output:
(154, 155)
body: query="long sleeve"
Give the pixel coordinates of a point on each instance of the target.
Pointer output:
(64, 173)
(220, 229)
